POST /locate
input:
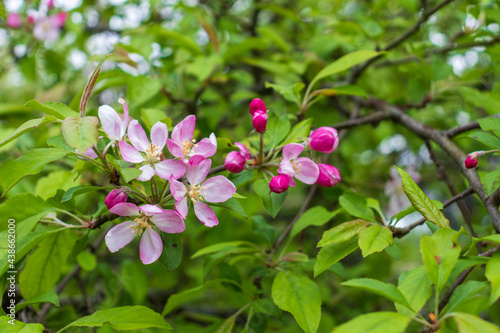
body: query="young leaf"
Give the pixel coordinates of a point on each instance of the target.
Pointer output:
(421, 202)
(462, 294)
(125, 318)
(124, 168)
(29, 163)
(387, 290)
(171, 255)
(225, 246)
(468, 323)
(46, 297)
(88, 88)
(330, 254)
(19, 326)
(232, 204)
(55, 109)
(356, 205)
(375, 322)
(374, 238)
(343, 232)
(272, 201)
(485, 138)
(416, 287)
(301, 130)
(493, 275)
(314, 216)
(300, 296)
(440, 254)
(26, 127)
(77, 190)
(80, 133)
(490, 124)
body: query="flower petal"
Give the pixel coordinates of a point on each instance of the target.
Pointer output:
(111, 122)
(125, 209)
(184, 130)
(151, 246)
(170, 168)
(147, 173)
(286, 168)
(159, 134)
(169, 221)
(177, 189)
(174, 149)
(151, 210)
(181, 207)
(309, 171)
(205, 148)
(125, 116)
(292, 150)
(197, 169)
(119, 236)
(137, 136)
(129, 153)
(218, 189)
(205, 214)
(243, 150)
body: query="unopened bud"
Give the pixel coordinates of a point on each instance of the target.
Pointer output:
(279, 184)
(329, 175)
(118, 195)
(235, 162)
(259, 121)
(324, 140)
(257, 105)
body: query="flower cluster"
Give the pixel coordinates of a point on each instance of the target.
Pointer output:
(185, 173)
(291, 166)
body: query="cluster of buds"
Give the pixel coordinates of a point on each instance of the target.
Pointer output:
(185, 173)
(291, 166)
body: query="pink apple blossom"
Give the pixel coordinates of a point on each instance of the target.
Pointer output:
(257, 104)
(302, 168)
(13, 20)
(151, 151)
(183, 146)
(234, 162)
(199, 190)
(61, 18)
(243, 151)
(148, 216)
(114, 125)
(329, 175)
(279, 184)
(47, 28)
(324, 140)
(118, 195)
(259, 121)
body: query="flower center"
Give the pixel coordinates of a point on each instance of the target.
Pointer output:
(195, 194)
(152, 154)
(187, 147)
(142, 223)
(296, 167)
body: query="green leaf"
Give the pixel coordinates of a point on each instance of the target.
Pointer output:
(440, 254)
(44, 266)
(80, 244)
(462, 294)
(272, 201)
(490, 124)
(86, 260)
(330, 254)
(340, 90)
(26, 208)
(29, 163)
(125, 318)
(493, 275)
(2, 11)
(227, 325)
(296, 257)
(356, 205)
(344, 63)
(314, 216)
(416, 287)
(300, 296)
(26, 127)
(55, 109)
(374, 238)
(277, 129)
(178, 39)
(468, 323)
(375, 322)
(343, 232)
(491, 181)
(487, 139)
(301, 130)
(291, 93)
(80, 133)
(46, 297)
(232, 204)
(152, 116)
(387, 290)
(77, 190)
(128, 174)
(412, 209)
(421, 202)
(18, 326)
(225, 246)
(171, 255)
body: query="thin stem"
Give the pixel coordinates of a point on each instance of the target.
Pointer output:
(103, 159)
(72, 215)
(423, 322)
(162, 192)
(261, 149)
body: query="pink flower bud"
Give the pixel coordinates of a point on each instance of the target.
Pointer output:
(118, 195)
(31, 19)
(61, 18)
(259, 121)
(470, 162)
(324, 140)
(279, 184)
(257, 105)
(50, 4)
(329, 175)
(235, 162)
(13, 20)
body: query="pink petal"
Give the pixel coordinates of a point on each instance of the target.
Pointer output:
(205, 214)
(184, 130)
(286, 168)
(125, 116)
(174, 149)
(150, 210)
(197, 169)
(243, 150)
(159, 134)
(111, 122)
(151, 246)
(291, 181)
(217, 189)
(177, 189)
(137, 136)
(169, 222)
(125, 209)
(181, 207)
(170, 168)
(119, 236)
(205, 148)
(309, 171)
(129, 153)
(292, 150)
(147, 173)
